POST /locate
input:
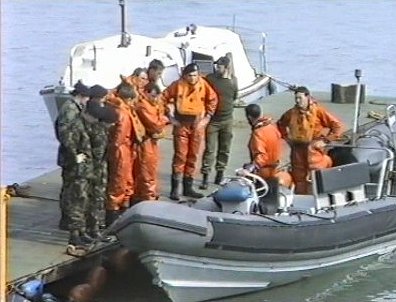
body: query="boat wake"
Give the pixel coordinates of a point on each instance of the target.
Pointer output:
(364, 272)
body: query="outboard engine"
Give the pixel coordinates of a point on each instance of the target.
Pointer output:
(237, 196)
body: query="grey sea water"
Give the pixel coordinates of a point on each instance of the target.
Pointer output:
(310, 42)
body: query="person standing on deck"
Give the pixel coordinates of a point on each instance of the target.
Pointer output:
(98, 133)
(68, 117)
(265, 147)
(191, 102)
(307, 127)
(154, 73)
(123, 137)
(219, 129)
(138, 79)
(74, 138)
(151, 114)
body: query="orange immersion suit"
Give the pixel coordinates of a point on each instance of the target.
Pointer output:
(302, 128)
(265, 146)
(136, 82)
(121, 155)
(192, 103)
(152, 116)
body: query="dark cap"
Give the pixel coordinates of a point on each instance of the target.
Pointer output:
(103, 112)
(80, 89)
(225, 61)
(190, 68)
(97, 91)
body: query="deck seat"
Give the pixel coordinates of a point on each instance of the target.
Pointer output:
(340, 185)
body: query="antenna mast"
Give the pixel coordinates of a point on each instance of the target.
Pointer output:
(125, 37)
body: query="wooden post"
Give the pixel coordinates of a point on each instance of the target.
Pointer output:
(3, 245)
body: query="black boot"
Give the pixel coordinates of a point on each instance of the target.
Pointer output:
(76, 240)
(111, 216)
(85, 237)
(205, 182)
(175, 186)
(188, 188)
(97, 235)
(219, 177)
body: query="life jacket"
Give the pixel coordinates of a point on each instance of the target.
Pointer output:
(138, 127)
(302, 124)
(152, 115)
(191, 98)
(140, 131)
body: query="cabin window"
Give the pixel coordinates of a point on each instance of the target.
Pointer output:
(204, 62)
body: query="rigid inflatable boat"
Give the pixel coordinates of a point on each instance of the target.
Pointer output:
(252, 234)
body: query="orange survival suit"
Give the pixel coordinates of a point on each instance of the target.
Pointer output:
(151, 114)
(121, 154)
(192, 103)
(265, 146)
(302, 128)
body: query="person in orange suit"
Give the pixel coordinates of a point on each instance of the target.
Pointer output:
(308, 127)
(150, 112)
(121, 153)
(265, 147)
(138, 79)
(191, 102)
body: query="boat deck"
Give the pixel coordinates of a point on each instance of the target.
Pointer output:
(37, 248)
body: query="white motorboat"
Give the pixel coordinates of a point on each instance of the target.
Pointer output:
(102, 61)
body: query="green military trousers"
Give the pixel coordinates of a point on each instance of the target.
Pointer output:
(218, 134)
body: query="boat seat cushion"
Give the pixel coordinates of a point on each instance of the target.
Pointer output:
(232, 191)
(341, 177)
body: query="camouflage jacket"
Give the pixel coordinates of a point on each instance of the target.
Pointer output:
(73, 137)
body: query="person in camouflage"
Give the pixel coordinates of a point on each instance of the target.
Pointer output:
(98, 118)
(97, 129)
(75, 158)
(67, 116)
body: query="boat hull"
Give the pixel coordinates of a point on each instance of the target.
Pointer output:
(199, 254)
(188, 278)
(54, 98)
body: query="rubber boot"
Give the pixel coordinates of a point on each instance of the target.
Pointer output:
(175, 186)
(219, 177)
(205, 182)
(188, 188)
(111, 216)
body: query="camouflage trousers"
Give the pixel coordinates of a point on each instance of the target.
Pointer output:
(82, 199)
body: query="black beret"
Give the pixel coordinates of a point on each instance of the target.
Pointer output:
(97, 91)
(80, 89)
(225, 61)
(103, 112)
(190, 68)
